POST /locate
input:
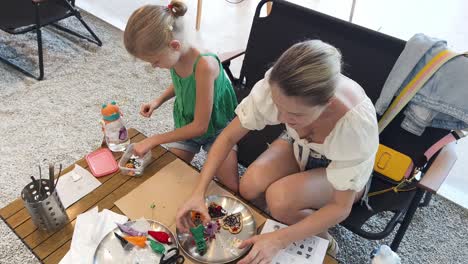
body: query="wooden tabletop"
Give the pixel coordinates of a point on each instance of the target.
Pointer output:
(50, 247)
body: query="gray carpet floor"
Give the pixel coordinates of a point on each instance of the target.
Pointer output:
(58, 120)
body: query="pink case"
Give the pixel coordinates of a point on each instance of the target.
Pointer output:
(101, 162)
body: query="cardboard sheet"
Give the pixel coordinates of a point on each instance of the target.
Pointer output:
(169, 188)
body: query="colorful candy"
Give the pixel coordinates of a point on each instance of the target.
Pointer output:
(211, 229)
(161, 236)
(139, 241)
(157, 247)
(216, 211)
(130, 231)
(198, 234)
(233, 223)
(134, 162)
(197, 218)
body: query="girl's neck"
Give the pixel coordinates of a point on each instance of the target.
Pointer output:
(187, 57)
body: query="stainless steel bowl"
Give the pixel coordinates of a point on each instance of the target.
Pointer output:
(223, 248)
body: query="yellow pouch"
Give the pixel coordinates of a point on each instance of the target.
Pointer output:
(392, 164)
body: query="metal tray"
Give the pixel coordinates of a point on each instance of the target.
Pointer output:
(110, 249)
(221, 249)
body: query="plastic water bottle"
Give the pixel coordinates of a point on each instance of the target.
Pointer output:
(385, 255)
(113, 127)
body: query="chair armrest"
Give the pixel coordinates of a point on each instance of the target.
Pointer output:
(226, 59)
(72, 2)
(439, 169)
(229, 56)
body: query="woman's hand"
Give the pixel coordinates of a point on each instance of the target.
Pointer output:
(147, 109)
(195, 203)
(265, 247)
(141, 148)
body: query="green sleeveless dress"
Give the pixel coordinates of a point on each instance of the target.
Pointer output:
(224, 100)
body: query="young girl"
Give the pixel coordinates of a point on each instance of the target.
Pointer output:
(204, 98)
(312, 174)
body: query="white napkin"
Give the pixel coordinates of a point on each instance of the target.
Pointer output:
(75, 184)
(90, 229)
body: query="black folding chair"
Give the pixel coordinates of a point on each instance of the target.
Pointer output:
(22, 16)
(368, 59)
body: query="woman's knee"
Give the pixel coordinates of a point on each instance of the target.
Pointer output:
(273, 164)
(250, 186)
(279, 203)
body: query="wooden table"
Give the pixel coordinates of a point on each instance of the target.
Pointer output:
(50, 247)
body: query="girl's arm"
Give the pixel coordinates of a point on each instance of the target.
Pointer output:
(218, 153)
(166, 95)
(147, 109)
(205, 75)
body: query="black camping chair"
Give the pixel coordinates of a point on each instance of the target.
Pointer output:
(22, 16)
(368, 57)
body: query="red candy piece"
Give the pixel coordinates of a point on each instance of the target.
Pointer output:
(161, 237)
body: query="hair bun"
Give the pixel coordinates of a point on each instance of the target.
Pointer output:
(177, 8)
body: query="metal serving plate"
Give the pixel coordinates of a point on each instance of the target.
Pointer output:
(222, 249)
(110, 249)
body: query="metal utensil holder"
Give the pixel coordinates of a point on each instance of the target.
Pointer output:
(44, 205)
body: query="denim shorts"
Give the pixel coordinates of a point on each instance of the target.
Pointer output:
(194, 145)
(320, 161)
(314, 161)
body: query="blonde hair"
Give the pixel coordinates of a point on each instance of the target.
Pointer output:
(308, 70)
(151, 27)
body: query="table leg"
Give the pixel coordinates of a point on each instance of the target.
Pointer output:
(199, 13)
(351, 14)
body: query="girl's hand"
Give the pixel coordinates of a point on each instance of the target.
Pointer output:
(140, 148)
(195, 203)
(147, 109)
(265, 247)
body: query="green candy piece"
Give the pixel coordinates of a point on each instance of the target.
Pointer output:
(199, 237)
(157, 247)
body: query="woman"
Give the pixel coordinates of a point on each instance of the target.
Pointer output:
(312, 174)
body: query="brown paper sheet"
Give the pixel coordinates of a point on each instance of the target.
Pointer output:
(169, 188)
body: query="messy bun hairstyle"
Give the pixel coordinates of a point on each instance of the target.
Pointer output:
(150, 28)
(177, 8)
